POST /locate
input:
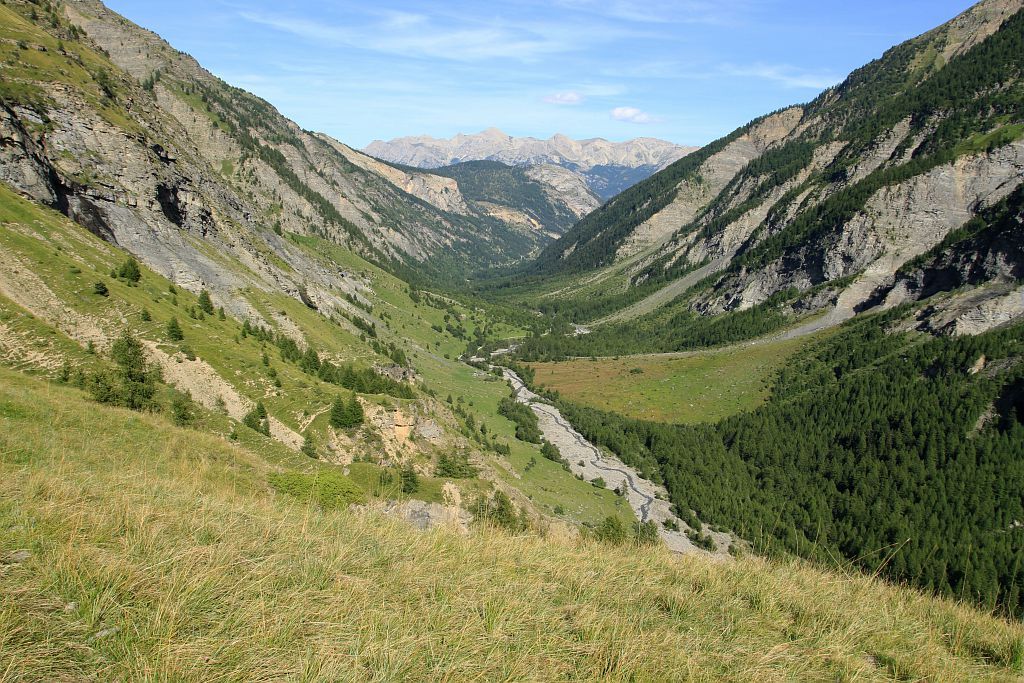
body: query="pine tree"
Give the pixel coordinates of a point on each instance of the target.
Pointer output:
(130, 357)
(339, 416)
(205, 303)
(354, 409)
(137, 381)
(129, 270)
(174, 332)
(182, 409)
(308, 447)
(346, 414)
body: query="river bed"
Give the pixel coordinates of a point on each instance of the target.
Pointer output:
(647, 499)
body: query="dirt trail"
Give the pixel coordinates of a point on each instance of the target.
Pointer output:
(22, 286)
(207, 386)
(642, 495)
(309, 420)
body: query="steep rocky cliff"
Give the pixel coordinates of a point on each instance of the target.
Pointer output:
(833, 196)
(106, 122)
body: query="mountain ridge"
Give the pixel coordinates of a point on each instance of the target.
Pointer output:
(431, 152)
(269, 173)
(852, 185)
(601, 162)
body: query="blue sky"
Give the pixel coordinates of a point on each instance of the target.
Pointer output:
(688, 71)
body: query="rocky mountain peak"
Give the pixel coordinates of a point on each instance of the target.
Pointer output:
(607, 167)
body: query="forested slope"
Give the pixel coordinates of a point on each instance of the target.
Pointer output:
(898, 452)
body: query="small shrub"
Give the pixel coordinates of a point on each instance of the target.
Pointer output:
(647, 533)
(182, 409)
(499, 511)
(550, 451)
(328, 489)
(701, 540)
(130, 271)
(256, 419)
(410, 480)
(174, 331)
(612, 530)
(454, 467)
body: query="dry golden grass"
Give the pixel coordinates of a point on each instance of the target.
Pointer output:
(161, 554)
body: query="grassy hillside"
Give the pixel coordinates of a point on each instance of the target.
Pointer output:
(49, 311)
(131, 549)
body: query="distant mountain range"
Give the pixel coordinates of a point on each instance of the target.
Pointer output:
(608, 167)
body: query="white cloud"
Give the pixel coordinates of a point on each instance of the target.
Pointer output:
(438, 36)
(632, 115)
(714, 12)
(788, 76)
(567, 97)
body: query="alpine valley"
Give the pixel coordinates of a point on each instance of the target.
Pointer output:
(499, 408)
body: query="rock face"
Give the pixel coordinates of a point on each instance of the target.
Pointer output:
(147, 149)
(566, 187)
(837, 196)
(713, 175)
(898, 223)
(600, 162)
(980, 265)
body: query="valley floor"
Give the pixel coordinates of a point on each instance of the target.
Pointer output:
(648, 500)
(681, 387)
